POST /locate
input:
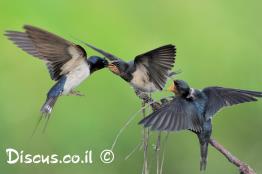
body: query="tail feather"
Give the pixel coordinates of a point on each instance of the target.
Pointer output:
(49, 104)
(203, 159)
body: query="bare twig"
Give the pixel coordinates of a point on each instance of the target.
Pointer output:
(134, 150)
(163, 155)
(154, 105)
(145, 142)
(158, 144)
(130, 119)
(243, 167)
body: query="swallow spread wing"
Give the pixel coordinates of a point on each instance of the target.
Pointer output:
(60, 55)
(154, 66)
(179, 114)
(148, 72)
(219, 97)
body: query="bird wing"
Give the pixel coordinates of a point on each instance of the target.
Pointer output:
(104, 53)
(219, 97)
(60, 55)
(158, 63)
(177, 115)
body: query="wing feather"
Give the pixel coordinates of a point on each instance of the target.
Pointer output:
(103, 52)
(179, 114)
(219, 97)
(158, 63)
(52, 49)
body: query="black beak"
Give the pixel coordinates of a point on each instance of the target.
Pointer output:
(105, 62)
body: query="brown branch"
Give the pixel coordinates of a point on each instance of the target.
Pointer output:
(145, 100)
(145, 142)
(243, 167)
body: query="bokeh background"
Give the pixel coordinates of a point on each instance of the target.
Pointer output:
(218, 43)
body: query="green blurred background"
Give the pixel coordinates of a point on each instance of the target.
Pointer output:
(218, 43)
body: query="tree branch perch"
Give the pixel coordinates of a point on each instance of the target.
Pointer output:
(243, 167)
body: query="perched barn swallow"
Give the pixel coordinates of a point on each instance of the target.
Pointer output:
(193, 109)
(148, 72)
(67, 62)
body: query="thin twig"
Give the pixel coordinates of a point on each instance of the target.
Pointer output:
(145, 142)
(138, 146)
(130, 119)
(243, 167)
(145, 100)
(158, 144)
(163, 155)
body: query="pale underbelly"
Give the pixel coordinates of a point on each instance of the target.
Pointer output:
(76, 77)
(141, 80)
(143, 84)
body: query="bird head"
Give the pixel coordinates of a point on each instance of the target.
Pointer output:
(97, 63)
(180, 88)
(118, 67)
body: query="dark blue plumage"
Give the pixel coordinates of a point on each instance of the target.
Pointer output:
(205, 104)
(58, 88)
(96, 63)
(52, 95)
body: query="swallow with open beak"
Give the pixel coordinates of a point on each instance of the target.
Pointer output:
(67, 62)
(148, 72)
(193, 109)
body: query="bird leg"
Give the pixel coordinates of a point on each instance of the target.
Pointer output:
(147, 99)
(75, 93)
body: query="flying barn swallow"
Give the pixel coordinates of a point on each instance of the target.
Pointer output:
(148, 72)
(193, 109)
(67, 62)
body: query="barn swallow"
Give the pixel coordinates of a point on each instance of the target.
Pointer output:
(193, 109)
(67, 62)
(148, 72)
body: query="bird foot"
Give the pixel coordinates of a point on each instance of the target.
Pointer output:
(75, 93)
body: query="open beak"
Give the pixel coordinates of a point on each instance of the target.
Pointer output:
(172, 88)
(110, 65)
(113, 68)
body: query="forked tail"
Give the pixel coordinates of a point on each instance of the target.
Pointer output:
(49, 104)
(203, 157)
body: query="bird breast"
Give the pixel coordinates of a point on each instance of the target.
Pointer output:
(76, 76)
(141, 80)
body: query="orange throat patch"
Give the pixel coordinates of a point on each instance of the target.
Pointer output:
(113, 68)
